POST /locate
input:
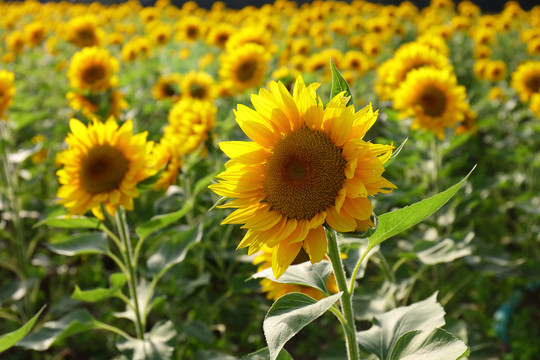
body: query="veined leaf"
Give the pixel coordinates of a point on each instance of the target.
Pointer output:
(90, 243)
(395, 153)
(154, 346)
(158, 222)
(12, 338)
(306, 274)
(73, 222)
(117, 281)
(290, 314)
(394, 222)
(436, 344)
(264, 354)
(174, 250)
(339, 84)
(388, 328)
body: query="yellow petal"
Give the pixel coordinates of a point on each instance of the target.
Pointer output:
(283, 254)
(315, 244)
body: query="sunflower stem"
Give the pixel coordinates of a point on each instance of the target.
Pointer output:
(348, 324)
(127, 254)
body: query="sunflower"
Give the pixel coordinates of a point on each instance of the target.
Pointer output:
(102, 165)
(251, 35)
(433, 98)
(219, 34)
(84, 31)
(245, 66)
(167, 87)
(34, 33)
(197, 85)
(356, 61)
(190, 120)
(307, 165)
(190, 28)
(275, 290)
(15, 42)
(526, 79)
(408, 57)
(168, 157)
(161, 34)
(7, 91)
(93, 69)
(113, 102)
(534, 105)
(495, 70)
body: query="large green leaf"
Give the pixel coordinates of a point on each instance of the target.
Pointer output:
(395, 153)
(394, 222)
(264, 354)
(117, 281)
(10, 339)
(307, 274)
(52, 331)
(155, 345)
(388, 328)
(90, 243)
(290, 314)
(339, 84)
(435, 344)
(158, 222)
(174, 250)
(73, 222)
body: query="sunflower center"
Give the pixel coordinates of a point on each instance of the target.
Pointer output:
(221, 39)
(433, 101)
(168, 90)
(533, 83)
(103, 169)
(86, 35)
(93, 74)
(197, 91)
(304, 174)
(192, 32)
(246, 70)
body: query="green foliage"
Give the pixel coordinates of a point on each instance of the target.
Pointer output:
(288, 315)
(8, 340)
(339, 85)
(411, 332)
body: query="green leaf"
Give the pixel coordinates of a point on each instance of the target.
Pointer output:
(212, 355)
(90, 243)
(174, 250)
(394, 222)
(264, 354)
(290, 314)
(436, 344)
(117, 281)
(389, 327)
(395, 153)
(445, 251)
(155, 345)
(52, 331)
(306, 274)
(158, 222)
(150, 181)
(203, 183)
(10, 339)
(73, 222)
(339, 84)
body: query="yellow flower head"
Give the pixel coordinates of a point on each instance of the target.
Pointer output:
(219, 35)
(534, 105)
(15, 42)
(245, 66)
(112, 103)
(190, 28)
(161, 34)
(35, 33)
(275, 290)
(197, 85)
(526, 79)
(190, 120)
(433, 98)
(307, 165)
(102, 165)
(167, 154)
(251, 35)
(93, 69)
(84, 31)
(167, 87)
(7, 91)
(408, 57)
(495, 70)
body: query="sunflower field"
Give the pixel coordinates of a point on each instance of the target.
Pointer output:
(332, 180)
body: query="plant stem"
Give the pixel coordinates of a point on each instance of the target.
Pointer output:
(127, 254)
(346, 299)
